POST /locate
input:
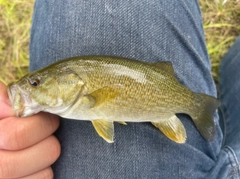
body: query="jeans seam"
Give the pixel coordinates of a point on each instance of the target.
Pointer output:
(235, 166)
(224, 117)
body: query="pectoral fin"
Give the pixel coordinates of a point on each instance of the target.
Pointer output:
(105, 129)
(172, 128)
(106, 94)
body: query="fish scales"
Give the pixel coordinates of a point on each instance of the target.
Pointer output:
(156, 92)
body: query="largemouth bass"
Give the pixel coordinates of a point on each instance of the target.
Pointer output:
(105, 89)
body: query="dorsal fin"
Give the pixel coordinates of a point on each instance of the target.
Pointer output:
(166, 66)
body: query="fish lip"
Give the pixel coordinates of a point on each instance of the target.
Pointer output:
(11, 90)
(20, 112)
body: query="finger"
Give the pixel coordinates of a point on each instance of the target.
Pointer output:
(6, 107)
(19, 133)
(16, 164)
(43, 174)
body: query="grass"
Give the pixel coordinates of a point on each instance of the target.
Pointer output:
(221, 24)
(15, 22)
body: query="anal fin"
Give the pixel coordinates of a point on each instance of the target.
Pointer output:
(105, 129)
(172, 128)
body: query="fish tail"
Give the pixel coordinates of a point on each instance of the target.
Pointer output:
(202, 115)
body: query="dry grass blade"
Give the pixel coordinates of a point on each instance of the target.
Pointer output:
(15, 21)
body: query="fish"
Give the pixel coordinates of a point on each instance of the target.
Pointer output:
(108, 89)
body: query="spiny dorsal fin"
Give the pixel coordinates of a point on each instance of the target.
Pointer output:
(106, 94)
(105, 129)
(172, 128)
(166, 66)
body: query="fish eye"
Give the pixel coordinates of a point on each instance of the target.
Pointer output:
(34, 82)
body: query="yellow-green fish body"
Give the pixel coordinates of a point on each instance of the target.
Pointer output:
(106, 89)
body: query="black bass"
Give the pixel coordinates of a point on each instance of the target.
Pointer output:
(105, 89)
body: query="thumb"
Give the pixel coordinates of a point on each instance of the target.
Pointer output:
(5, 105)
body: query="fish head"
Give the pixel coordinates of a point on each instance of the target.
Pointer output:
(45, 90)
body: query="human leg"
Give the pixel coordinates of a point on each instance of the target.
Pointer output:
(230, 103)
(146, 30)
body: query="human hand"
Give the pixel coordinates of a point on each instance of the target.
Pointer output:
(27, 146)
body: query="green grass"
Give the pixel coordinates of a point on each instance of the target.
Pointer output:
(221, 24)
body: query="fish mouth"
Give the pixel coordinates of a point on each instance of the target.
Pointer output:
(21, 101)
(16, 99)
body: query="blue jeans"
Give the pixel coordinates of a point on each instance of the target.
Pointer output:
(148, 30)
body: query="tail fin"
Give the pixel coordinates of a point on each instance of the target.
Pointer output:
(202, 115)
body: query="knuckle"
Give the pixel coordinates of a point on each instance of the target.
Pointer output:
(50, 123)
(13, 137)
(54, 121)
(47, 174)
(7, 167)
(18, 137)
(55, 148)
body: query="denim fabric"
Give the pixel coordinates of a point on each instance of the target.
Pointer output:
(230, 107)
(148, 30)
